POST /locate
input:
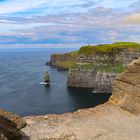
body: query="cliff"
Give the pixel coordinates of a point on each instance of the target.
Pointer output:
(100, 82)
(126, 89)
(118, 119)
(123, 52)
(63, 61)
(96, 66)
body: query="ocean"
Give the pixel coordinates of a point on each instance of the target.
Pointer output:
(21, 90)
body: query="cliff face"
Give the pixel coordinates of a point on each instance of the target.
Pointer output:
(126, 88)
(98, 81)
(118, 119)
(57, 58)
(81, 78)
(104, 82)
(123, 55)
(105, 62)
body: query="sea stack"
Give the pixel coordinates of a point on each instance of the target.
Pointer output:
(47, 78)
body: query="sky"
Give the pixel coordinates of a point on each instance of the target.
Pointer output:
(68, 23)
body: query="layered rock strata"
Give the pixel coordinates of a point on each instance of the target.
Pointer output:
(10, 125)
(99, 57)
(123, 55)
(100, 82)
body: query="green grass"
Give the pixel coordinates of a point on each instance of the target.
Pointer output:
(70, 54)
(118, 68)
(66, 64)
(108, 48)
(66, 56)
(113, 69)
(85, 66)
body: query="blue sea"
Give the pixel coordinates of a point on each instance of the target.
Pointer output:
(21, 90)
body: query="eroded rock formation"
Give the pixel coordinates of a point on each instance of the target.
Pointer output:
(10, 125)
(126, 88)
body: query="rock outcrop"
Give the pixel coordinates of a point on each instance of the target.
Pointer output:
(57, 58)
(47, 78)
(118, 119)
(126, 88)
(10, 125)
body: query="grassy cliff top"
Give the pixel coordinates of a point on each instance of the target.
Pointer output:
(70, 54)
(107, 48)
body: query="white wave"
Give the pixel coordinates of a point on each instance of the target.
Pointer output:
(43, 83)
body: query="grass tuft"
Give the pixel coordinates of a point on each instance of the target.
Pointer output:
(108, 48)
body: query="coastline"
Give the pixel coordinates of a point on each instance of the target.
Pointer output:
(117, 119)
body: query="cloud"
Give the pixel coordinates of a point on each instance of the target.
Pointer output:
(116, 4)
(12, 6)
(43, 7)
(57, 22)
(133, 19)
(102, 10)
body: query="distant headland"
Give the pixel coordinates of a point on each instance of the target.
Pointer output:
(96, 66)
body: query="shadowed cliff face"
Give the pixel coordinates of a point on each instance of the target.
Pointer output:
(118, 119)
(126, 88)
(10, 125)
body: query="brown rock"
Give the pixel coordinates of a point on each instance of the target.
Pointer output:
(2, 137)
(126, 88)
(105, 122)
(10, 124)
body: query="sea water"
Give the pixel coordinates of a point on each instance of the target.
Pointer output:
(22, 90)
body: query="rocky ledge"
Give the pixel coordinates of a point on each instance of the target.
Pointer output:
(118, 119)
(126, 89)
(10, 125)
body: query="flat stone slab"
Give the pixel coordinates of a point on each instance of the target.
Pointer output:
(105, 122)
